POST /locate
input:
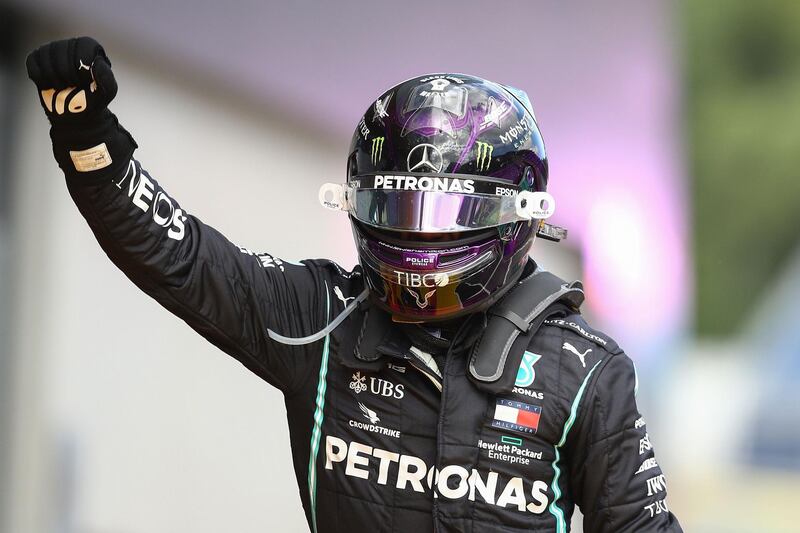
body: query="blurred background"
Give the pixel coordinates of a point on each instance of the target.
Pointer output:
(673, 132)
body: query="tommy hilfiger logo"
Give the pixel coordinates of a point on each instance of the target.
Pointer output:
(516, 416)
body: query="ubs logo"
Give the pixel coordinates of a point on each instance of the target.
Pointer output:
(377, 386)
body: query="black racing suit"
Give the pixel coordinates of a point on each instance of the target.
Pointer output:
(383, 441)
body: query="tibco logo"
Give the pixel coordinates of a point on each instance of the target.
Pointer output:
(142, 192)
(453, 482)
(412, 279)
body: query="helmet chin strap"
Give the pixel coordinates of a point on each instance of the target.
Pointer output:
(401, 320)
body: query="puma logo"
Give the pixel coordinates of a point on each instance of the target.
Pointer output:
(338, 292)
(582, 356)
(88, 68)
(422, 304)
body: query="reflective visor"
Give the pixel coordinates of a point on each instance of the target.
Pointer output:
(431, 203)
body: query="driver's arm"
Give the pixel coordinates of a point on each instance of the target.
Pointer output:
(227, 294)
(617, 481)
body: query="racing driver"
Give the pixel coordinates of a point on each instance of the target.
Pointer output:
(447, 383)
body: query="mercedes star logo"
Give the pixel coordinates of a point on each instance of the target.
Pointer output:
(425, 158)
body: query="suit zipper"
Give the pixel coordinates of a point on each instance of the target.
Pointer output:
(433, 378)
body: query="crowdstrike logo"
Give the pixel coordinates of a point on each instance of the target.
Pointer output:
(453, 482)
(373, 426)
(369, 414)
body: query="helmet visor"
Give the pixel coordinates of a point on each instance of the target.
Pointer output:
(431, 203)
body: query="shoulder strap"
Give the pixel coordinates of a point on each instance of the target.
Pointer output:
(521, 311)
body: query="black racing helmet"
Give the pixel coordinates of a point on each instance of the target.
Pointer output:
(446, 188)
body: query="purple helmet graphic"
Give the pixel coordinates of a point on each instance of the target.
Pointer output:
(446, 188)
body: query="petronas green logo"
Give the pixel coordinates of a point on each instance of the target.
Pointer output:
(485, 151)
(377, 149)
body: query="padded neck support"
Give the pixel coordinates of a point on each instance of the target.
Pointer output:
(521, 311)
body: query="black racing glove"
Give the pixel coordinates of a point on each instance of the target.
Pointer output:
(76, 85)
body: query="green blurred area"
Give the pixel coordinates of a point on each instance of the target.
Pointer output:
(743, 117)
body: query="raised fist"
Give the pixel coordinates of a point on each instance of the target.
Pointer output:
(74, 79)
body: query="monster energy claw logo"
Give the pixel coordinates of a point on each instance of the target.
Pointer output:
(485, 151)
(377, 149)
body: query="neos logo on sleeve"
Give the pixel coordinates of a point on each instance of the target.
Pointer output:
(143, 194)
